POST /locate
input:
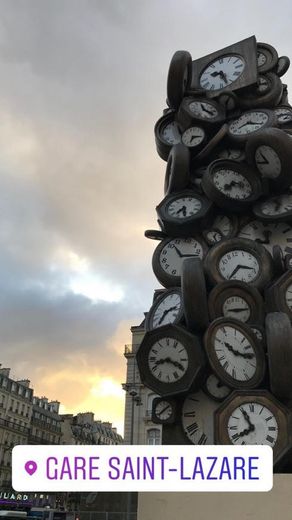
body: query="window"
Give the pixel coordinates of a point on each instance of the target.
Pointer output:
(153, 436)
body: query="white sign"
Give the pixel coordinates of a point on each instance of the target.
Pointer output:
(142, 468)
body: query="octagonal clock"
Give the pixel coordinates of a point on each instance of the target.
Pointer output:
(171, 361)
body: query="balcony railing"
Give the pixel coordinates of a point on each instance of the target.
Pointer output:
(14, 427)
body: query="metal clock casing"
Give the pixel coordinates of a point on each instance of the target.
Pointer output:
(274, 209)
(167, 134)
(183, 213)
(238, 300)
(166, 309)
(169, 255)
(279, 348)
(163, 410)
(250, 123)
(226, 69)
(197, 411)
(267, 421)
(270, 153)
(239, 259)
(171, 361)
(206, 112)
(231, 185)
(234, 353)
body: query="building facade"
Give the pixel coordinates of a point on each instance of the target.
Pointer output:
(16, 402)
(84, 429)
(45, 422)
(138, 427)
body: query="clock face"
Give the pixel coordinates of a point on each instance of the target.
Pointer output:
(235, 353)
(263, 85)
(222, 72)
(193, 136)
(184, 207)
(276, 205)
(163, 410)
(203, 109)
(261, 58)
(248, 123)
(171, 134)
(175, 251)
(239, 265)
(167, 311)
(269, 234)
(288, 296)
(236, 307)
(252, 423)
(268, 162)
(197, 418)
(283, 114)
(232, 183)
(168, 360)
(258, 333)
(222, 228)
(215, 388)
(233, 154)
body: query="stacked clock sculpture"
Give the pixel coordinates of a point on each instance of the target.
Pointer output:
(218, 344)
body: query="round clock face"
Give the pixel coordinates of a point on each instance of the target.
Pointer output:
(233, 154)
(236, 307)
(167, 310)
(284, 115)
(258, 333)
(175, 251)
(235, 353)
(184, 207)
(215, 388)
(168, 360)
(171, 134)
(268, 161)
(203, 109)
(222, 72)
(269, 234)
(239, 265)
(222, 227)
(261, 59)
(193, 136)
(232, 184)
(248, 123)
(197, 418)
(276, 206)
(288, 296)
(163, 410)
(252, 423)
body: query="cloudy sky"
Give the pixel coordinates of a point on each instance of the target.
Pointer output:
(82, 84)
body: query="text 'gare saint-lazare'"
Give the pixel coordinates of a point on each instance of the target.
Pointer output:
(151, 468)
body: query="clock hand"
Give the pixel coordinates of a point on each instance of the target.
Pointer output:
(216, 73)
(233, 183)
(193, 137)
(223, 76)
(245, 355)
(247, 123)
(238, 309)
(181, 255)
(264, 160)
(240, 266)
(164, 410)
(165, 313)
(246, 416)
(267, 233)
(182, 209)
(205, 110)
(178, 251)
(178, 365)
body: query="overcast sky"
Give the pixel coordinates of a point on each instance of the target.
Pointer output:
(82, 84)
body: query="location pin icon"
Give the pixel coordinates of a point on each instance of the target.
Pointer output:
(30, 467)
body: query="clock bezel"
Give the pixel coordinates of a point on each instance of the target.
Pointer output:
(246, 49)
(215, 364)
(194, 374)
(263, 397)
(157, 301)
(229, 288)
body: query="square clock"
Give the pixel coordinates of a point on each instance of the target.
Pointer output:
(231, 68)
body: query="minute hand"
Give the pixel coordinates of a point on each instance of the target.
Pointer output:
(240, 266)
